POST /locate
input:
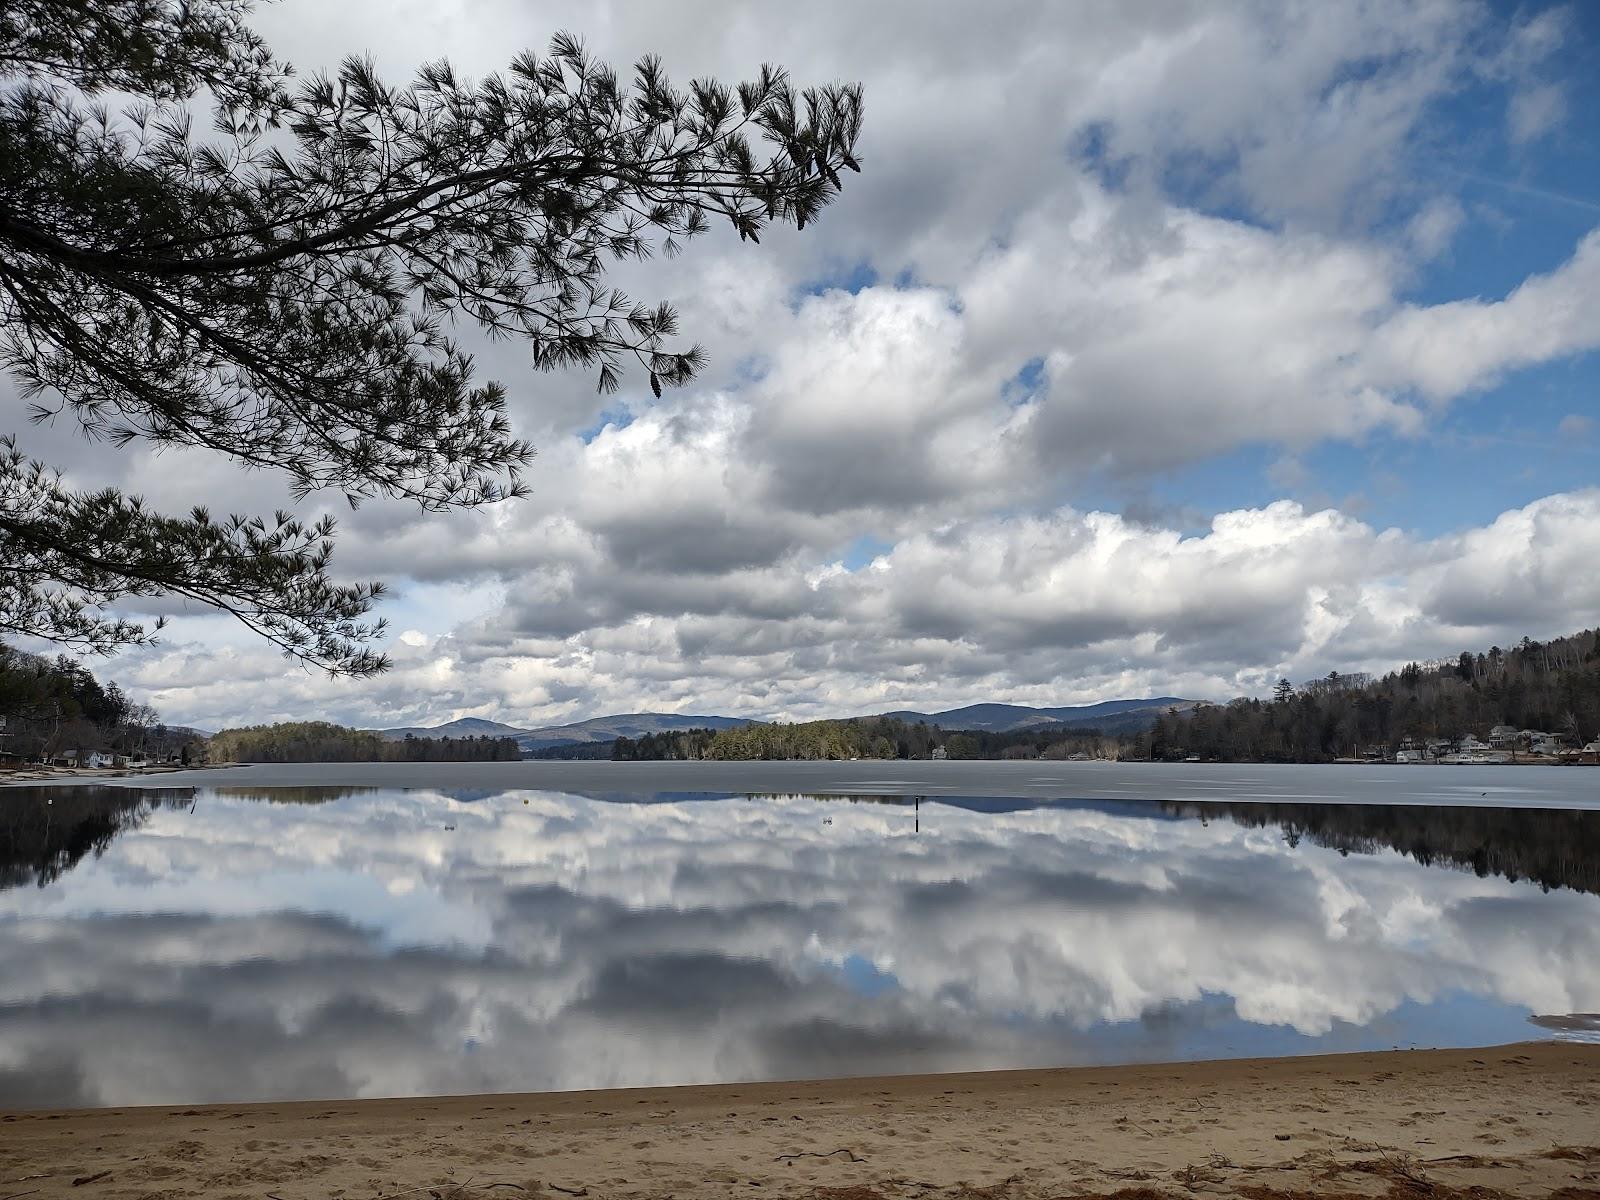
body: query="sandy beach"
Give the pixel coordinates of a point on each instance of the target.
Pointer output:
(1520, 1120)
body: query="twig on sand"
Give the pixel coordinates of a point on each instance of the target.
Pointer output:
(450, 1191)
(19, 1195)
(1399, 1168)
(425, 1187)
(83, 1179)
(991, 1191)
(814, 1154)
(582, 1191)
(1197, 1178)
(1407, 1169)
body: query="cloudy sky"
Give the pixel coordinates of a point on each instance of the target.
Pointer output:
(1161, 348)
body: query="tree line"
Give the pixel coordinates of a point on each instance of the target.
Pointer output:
(1552, 686)
(858, 737)
(573, 750)
(322, 741)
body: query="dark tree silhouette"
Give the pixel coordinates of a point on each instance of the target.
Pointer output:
(1551, 686)
(279, 291)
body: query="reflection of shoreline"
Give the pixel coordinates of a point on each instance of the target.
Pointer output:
(414, 943)
(303, 794)
(1570, 1022)
(1553, 848)
(46, 832)
(44, 836)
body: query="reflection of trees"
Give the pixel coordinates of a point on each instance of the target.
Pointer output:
(851, 797)
(1551, 847)
(45, 832)
(320, 793)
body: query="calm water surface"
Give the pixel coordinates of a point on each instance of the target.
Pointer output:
(209, 944)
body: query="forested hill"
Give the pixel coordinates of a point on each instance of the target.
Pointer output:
(321, 741)
(50, 706)
(861, 737)
(1549, 686)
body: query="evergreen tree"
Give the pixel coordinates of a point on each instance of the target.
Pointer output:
(284, 299)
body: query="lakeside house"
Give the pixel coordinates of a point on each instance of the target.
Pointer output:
(1468, 749)
(1534, 741)
(1549, 745)
(74, 757)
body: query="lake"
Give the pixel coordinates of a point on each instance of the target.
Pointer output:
(200, 944)
(1522, 787)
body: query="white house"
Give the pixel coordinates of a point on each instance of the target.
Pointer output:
(100, 759)
(1503, 737)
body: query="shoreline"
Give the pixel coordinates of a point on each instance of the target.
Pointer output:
(1517, 1120)
(96, 774)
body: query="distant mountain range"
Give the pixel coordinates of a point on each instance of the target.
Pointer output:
(596, 729)
(463, 727)
(1110, 716)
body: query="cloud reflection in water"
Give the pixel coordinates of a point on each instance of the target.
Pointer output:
(294, 943)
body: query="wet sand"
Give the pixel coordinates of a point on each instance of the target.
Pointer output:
(1519, 1120)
